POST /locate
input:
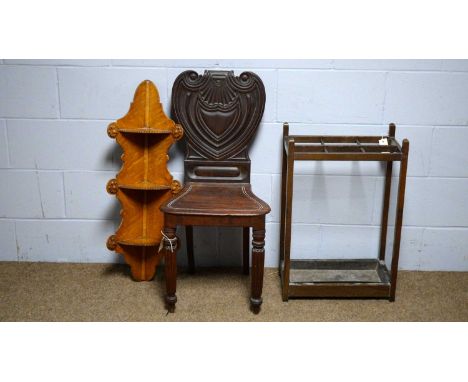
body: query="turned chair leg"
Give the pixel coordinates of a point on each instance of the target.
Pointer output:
(245, 250)
(189, 240)
(170, 268)
(258, 260)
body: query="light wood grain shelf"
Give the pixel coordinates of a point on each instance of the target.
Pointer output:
(144, 183)
(139, 241)
(144, 130)
(145, 186)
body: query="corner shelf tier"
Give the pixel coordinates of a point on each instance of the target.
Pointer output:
(145, 158)
(139, 241)
(141, 216)
(144, 130)
(148, 186)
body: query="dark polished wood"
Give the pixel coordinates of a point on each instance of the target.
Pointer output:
(189, 241)
(386, 200)
(357, 278)
(339, 290)
(170, 243)
(245, 250)
(283, 198)
(399, 218)
(287, 221)
(258, 260)
(208, 199)
(220, 113)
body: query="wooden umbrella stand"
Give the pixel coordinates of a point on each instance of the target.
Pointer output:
(343, 278)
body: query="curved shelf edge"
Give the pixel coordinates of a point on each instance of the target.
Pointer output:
(145, 186)
(140, 242)
(144, 130)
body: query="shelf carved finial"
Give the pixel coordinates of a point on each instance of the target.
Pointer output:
(111, 243)
(175, 187)
(178, 132)
(112, 186)
(112, 130)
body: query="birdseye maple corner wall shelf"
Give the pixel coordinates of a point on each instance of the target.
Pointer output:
(145, 134)
(342, 278)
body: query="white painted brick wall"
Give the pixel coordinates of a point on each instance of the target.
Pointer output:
(427, 98)
(73, 241)
(330, 96)
(55, 157)
(449, 152)
(61, 145)
(4, 162)
(430, 202)
(8, 240)
(31, 194)
(329, 199)
(28, 92)
(96, 93)
(95, 202)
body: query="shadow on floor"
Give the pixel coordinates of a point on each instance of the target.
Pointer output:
(116, 269)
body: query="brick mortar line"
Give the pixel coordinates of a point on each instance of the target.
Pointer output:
(326, 69)
(16, 243)
(384, 97)
(431, 149)
(64, 195)
(364, 70)
(39, 220)
(57, 85)
(277, 122)
(58, 219)
(57, 119)
(276, 94)
(368, 176)
(7, 144)
(343, 124)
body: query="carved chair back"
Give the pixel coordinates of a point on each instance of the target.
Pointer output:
(220, 113)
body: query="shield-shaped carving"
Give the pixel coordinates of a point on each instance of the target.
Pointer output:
(218, 111)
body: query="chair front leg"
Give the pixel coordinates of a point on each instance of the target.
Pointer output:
(258, 260)
(170, 268)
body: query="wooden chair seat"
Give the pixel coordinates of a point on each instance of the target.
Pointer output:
(214, 199)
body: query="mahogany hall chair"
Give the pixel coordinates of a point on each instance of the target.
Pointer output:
(220, 113)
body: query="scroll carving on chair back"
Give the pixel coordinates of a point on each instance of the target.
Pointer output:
(220, 113)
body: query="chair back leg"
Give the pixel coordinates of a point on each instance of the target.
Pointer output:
(189, 241)
(246, 250)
